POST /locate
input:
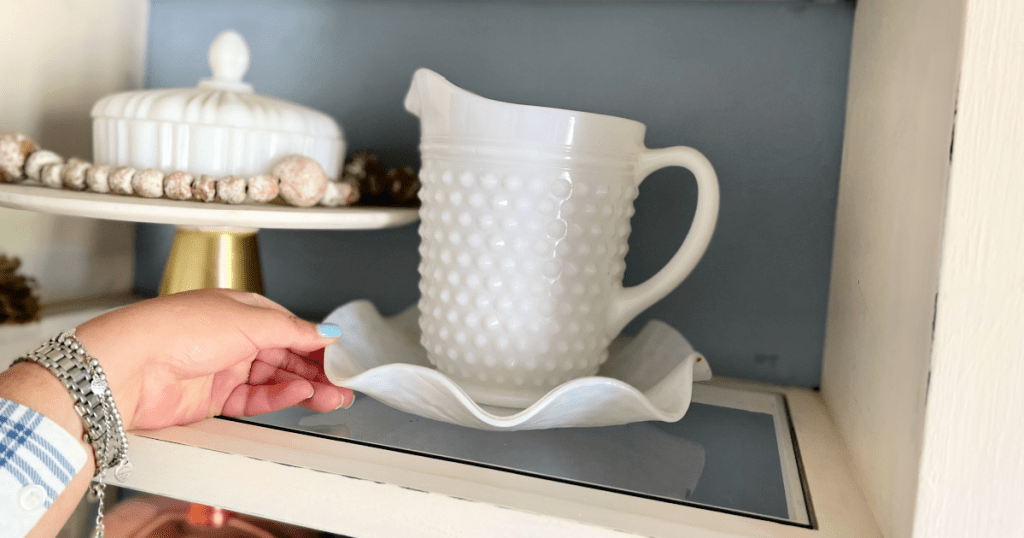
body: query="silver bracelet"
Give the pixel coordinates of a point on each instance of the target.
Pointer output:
(84, 378)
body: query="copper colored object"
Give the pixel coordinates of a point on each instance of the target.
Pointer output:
(148, 516)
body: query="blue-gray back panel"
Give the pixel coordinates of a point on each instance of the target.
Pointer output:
(759, 88)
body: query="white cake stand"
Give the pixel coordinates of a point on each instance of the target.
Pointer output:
(215, 244)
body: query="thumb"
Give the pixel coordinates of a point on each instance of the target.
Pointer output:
(277, 330)
(271, 326)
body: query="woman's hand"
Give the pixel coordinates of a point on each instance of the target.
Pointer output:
(186, 357)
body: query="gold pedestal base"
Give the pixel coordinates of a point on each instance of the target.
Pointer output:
(213, 259)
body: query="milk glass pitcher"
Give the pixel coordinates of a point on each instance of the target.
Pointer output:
(524, 222)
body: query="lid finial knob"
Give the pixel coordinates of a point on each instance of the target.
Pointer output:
(229, 61)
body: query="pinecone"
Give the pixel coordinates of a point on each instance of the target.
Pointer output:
(18, 301)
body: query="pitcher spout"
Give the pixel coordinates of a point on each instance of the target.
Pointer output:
(428, 89)
(449, 112)
(445, 109)
(413, 100)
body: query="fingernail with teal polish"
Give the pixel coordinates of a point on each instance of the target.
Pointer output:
(328, 330)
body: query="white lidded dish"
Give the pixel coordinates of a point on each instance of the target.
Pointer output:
(220, 127)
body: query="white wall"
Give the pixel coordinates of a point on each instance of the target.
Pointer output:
(972, 466)
(57, 58)
(904, 72)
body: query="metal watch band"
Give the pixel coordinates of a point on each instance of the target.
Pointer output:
(64, 356)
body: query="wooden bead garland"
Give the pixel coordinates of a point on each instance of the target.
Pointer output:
(14, 149)
(296, 180)
(120, 180)
(302, 180)
(50, 175)
(204, 189)
(148, 183)
(73, 176)
(36, 161)
(262, 189)
(96, 177)
(178, 186)
(231, 190)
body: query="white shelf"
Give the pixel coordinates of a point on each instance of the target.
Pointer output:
(368, 492)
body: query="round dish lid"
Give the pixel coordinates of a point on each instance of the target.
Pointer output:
(222, 100)
(219, 127)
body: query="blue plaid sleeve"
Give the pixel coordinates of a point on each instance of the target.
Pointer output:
(37, 460)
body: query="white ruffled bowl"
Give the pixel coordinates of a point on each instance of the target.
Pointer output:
(648, 377)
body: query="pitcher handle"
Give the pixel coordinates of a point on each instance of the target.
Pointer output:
(627, 303)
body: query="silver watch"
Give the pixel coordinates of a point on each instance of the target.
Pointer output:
(83, 376)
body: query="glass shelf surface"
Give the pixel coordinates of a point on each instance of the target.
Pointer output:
(732, 452)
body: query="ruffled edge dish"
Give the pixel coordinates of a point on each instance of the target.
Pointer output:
(647, 377)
